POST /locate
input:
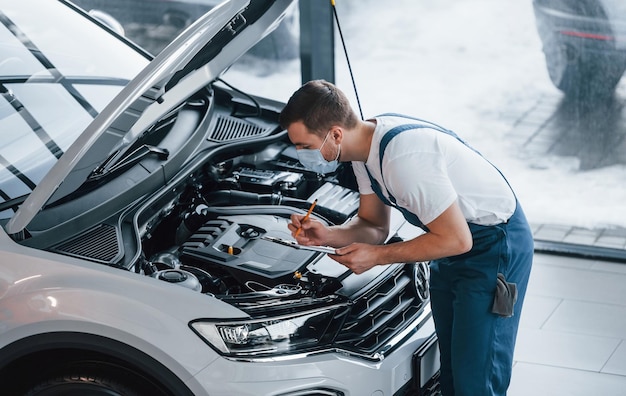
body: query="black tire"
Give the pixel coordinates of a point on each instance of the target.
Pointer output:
(81, 385)
(91, 379)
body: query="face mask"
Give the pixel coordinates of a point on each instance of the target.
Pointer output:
(314, 160)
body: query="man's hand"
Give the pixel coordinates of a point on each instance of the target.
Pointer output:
(312, 232)
(358, 257)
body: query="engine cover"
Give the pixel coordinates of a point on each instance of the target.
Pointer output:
(233, 243)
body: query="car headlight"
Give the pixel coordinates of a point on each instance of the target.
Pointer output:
(269, 336)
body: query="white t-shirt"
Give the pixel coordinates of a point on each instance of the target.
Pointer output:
(426, 170)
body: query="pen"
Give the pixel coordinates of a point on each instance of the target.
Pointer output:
(306, 217)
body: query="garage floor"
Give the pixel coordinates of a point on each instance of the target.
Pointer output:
(573, 329)
(572, 337)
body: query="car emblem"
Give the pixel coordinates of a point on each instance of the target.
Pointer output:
(421, 277)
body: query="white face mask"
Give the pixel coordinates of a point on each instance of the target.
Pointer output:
(313, 159)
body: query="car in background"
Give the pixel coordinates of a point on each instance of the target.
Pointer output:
(153, 24)
(584, 43)
(144, 248)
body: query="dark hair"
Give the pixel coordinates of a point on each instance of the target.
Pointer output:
(319, 105)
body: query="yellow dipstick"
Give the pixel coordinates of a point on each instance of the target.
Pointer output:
(230, 250)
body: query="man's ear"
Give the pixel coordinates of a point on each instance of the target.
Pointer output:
(336, 132)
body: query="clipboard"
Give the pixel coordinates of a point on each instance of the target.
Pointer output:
(295, 245)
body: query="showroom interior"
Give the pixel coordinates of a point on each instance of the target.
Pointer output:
(479, 68)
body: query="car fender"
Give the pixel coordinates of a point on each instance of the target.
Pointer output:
(83, 312)
(46, 293)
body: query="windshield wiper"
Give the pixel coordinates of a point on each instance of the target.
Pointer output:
(113, 164)
(13, 203)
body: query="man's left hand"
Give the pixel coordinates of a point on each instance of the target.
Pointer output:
(358, 257)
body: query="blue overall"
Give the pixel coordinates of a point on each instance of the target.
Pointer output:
(476, 345)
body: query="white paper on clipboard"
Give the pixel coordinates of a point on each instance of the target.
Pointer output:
(294, 244)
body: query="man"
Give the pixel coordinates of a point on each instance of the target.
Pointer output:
(476, 237)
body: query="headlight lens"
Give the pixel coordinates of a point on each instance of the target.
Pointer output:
(267, 336)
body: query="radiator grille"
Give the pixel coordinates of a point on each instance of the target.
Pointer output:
(231, 128)
(98, 244)
(381, 314)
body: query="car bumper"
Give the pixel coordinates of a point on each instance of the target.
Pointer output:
(592, 32)
(328, 373)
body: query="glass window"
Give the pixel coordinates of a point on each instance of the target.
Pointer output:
(479, 68)
(78, 49)
(53, 82)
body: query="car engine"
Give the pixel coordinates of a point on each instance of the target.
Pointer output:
(226, 233)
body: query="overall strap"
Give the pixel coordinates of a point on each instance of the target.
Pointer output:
(423, 124)
(428, 124)
(409, 216)
(449, 132)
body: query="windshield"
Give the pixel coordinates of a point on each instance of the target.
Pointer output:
(53, 82)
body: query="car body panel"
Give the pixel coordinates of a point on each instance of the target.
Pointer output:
(56, 294)
(617, 9)
(584, 43)
(609, 17)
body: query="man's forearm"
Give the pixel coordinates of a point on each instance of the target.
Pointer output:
(356, 230)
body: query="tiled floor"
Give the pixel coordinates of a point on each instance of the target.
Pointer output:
(572, 337)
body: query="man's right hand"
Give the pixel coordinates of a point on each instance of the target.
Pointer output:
(312, 231)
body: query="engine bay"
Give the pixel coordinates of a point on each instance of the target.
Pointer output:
(219, 231)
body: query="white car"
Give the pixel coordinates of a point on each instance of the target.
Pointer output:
(141, 204)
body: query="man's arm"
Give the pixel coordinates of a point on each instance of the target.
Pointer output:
(371, 225)
(448, 235)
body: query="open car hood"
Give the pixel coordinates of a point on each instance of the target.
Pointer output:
(193, 60)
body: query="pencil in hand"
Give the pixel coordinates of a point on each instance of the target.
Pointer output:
(306, 217)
